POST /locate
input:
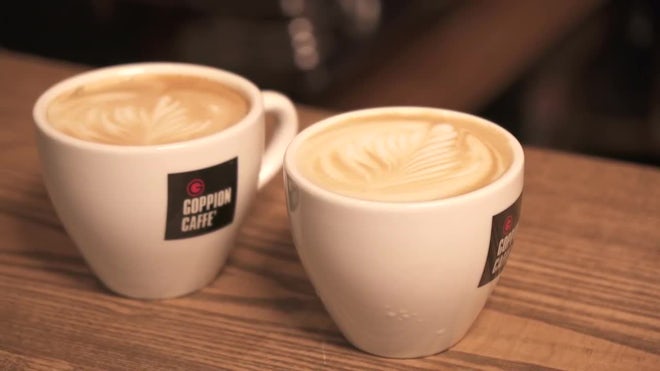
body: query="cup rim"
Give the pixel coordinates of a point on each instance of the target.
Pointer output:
(248, 89)
(291, 170)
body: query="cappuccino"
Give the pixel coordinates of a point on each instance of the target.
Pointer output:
(146, 109)
(404, 157)
(404, 217)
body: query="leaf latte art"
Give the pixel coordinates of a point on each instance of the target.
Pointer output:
(402, 160)
(147, 110)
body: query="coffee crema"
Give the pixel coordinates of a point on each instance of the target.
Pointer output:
(404, 158)
(146, 109)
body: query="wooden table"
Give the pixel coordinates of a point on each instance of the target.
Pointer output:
(581, 289)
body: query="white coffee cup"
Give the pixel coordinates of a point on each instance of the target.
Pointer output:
(403, 279)
(158, 221)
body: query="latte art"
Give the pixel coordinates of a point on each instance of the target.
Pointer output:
(147, 110)
(401, 160)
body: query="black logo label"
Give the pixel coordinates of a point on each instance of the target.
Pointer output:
(503, 231)
(201, 201)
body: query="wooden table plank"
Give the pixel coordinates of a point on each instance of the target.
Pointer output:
(581, 289)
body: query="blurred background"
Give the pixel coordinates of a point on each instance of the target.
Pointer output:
(574, 75)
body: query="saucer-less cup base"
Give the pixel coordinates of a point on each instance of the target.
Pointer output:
(399, 279)
(113, 200)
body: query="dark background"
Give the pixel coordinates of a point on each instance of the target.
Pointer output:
(581, 75)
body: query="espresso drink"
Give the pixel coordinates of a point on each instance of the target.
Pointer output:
(147, 109)
(404, 158)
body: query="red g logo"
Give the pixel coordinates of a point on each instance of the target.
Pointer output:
(508, 224)
(195, 187)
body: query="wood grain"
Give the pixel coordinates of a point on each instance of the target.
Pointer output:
(581, 289)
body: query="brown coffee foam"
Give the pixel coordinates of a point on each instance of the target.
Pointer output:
(405, 157)
(146, 109)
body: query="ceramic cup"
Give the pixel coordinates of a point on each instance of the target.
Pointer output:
(158, 221)
(403, 279)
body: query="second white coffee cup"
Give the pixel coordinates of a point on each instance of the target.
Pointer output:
(400, 278)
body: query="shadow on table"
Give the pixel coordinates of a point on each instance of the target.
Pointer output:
(265, 278)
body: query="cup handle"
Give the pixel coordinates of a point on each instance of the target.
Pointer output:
(286, 128)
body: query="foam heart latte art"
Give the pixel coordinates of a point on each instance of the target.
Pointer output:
(147, 109)
(403, 158)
